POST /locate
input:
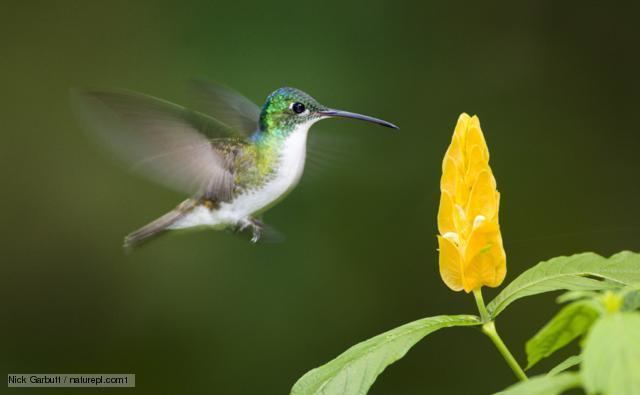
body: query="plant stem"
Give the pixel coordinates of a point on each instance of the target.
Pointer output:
(484, 314)
(489, 329)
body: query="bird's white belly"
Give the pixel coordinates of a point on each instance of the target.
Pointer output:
(252, 201)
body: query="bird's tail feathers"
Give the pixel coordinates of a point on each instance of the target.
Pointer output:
(156, 227)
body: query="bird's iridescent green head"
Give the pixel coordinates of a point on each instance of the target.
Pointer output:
(287, 108)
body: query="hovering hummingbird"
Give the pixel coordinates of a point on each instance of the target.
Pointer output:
(236, 164)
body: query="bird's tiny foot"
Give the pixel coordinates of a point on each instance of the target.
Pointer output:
(256, 228)
(255, 237)
(243, 225)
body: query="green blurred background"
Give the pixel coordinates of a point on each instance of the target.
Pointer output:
(555, 86)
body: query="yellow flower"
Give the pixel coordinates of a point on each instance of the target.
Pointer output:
(470, 243)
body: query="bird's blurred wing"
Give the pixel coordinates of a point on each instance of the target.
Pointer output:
(162, 140)
(229, 106)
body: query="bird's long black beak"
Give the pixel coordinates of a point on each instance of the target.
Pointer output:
(347, 114)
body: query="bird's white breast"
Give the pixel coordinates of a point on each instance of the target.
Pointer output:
(287, 174)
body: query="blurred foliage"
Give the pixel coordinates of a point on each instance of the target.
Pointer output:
(610, 359)
(555, 84)
(607, 367)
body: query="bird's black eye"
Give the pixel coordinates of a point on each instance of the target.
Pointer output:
(298, 107)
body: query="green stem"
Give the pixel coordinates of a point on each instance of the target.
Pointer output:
(489, 329)
(484, 314)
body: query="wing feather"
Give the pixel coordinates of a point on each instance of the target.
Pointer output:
(229, 106)
(166, 142)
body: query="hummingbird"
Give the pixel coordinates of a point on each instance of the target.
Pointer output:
(234, 164)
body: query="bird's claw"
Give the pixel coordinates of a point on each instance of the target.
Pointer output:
(256, 228)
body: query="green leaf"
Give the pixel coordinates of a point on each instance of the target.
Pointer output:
(572, 321)
(572, 296)
(544, 385)
(631, 301)
(573, 273)
(566, 364)
(355, 370)
(631, 297)
(611, 356)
